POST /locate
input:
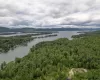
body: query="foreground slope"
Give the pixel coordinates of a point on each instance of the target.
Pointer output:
(54, 60)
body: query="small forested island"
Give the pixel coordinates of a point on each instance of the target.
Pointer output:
(62, 59)
(50, 35)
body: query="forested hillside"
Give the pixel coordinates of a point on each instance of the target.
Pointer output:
(56, 60)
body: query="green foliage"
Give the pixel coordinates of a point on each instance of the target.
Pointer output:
(7, 43)
(52, 60)
(3, 65)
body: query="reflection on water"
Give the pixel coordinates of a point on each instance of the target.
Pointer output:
(21, 51)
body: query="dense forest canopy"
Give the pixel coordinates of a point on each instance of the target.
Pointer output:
(57, 60)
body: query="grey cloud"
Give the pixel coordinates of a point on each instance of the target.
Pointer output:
(50, 13)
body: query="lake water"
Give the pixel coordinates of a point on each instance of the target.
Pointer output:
(21, 51)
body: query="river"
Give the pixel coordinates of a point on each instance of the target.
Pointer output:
(21, 51)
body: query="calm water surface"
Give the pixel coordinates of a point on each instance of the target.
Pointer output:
(21, 51)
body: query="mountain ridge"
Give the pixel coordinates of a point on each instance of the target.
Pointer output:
(5, 29)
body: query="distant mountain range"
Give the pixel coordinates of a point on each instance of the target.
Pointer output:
(4, 29)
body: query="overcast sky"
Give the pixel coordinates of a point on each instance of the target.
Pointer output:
(50, 13)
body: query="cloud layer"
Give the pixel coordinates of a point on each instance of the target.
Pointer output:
(50, 13)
